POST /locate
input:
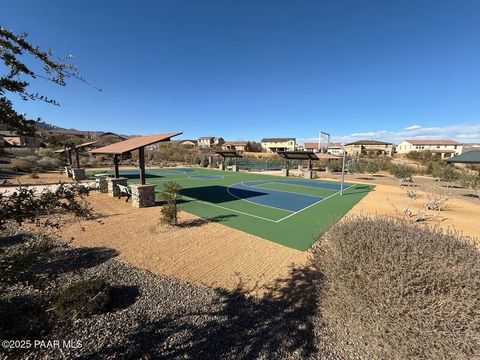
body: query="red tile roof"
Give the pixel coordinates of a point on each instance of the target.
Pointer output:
(433, 142)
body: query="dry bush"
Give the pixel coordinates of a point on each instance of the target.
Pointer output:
(397, 290)
(25, 165)
(435, 201)
(437, 197)
(49, 162)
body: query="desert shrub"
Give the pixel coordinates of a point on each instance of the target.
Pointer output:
(20, 164)
(30, 158)
(401, 172)
(83, 162)
(83, 298)
(397, 290)
(49, 162)
(445, 172)
(356, 166)
(171, 194)
(45, 152)
(363, 166)
(372, 166)
(423, 156)
(334, 165)
(414, 155)
(470, 181)
(46, 209)
(23, 318)
(101, 159)
(34, 175)
(16, 264)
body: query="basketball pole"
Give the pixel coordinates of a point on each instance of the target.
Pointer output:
(343, 169)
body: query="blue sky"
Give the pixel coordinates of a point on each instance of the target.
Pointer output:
(253, 69)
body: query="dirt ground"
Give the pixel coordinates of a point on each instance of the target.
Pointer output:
(459, 215)
(199, 252)
(214, 255)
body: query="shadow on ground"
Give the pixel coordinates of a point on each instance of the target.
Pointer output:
(200, 221)
(279, 325)
(218, 194)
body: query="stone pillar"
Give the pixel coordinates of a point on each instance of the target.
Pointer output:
(210, 161)
(143, 195)
(221, 166)
(78, 174)
(308, 174)
(235, 168)
(285, 172)
(67, 171)
(112, 183)
(101, 183)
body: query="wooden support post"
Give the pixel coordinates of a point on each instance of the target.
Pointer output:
(115, 163)
(141, 159)
(77, 157)
(69, 156)
(309, 164)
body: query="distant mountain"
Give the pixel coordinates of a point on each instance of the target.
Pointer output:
(43, 127)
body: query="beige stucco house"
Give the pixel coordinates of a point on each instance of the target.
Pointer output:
(446, 148)
(333, 148)
(210, 141)
(237, 145)
(273, 145)
(369, 148)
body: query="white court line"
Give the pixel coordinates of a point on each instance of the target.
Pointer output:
(285, 191)
(309, 206)
(213, 177)
(253, 202)
(228, 209)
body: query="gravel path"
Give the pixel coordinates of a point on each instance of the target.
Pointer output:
(160, 317)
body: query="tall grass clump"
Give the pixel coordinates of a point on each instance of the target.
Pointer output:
(398, 290)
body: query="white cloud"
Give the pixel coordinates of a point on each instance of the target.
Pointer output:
(413, 127)
(461, 133)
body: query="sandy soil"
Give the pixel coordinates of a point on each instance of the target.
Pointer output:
(43, 179)
(459, 215)
(208, 254)
(214, 255)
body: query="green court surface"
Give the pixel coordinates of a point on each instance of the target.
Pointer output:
(288, 211)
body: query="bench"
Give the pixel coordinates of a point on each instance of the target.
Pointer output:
(124, 190)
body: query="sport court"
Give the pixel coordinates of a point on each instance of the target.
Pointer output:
(289, 211)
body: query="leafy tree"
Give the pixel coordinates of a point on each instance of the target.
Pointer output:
(170, 210)
(14, 49)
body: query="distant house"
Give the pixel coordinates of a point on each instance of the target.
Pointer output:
(445, 148)
(369, 147)
(333, 148)
(13, 139)
(237, 145)
(274, 145)
(315, 147)
(209, 141)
